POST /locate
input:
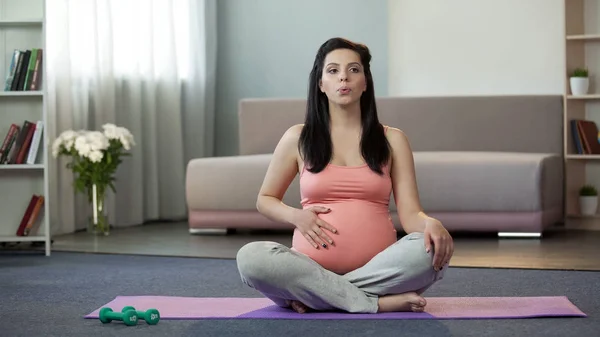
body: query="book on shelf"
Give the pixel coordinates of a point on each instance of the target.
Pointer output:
(21, 143)
(29, 222)
(25, 70)
(585, 136)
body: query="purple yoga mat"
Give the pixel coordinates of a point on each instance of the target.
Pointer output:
(172, 307)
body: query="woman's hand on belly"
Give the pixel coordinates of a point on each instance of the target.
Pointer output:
(363, 231)
(312, 227)
(359, 233)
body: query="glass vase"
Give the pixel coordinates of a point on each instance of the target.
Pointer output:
(98, 213)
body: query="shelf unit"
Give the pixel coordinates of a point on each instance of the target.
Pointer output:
(22, 93)
(22, 26)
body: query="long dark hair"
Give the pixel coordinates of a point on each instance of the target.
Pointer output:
(315, 139)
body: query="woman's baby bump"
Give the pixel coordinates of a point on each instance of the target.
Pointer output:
(364, 229)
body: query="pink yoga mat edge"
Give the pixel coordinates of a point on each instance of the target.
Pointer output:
(198, 308)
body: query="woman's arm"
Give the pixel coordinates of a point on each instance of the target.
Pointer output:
(406, 194)
(280, 174)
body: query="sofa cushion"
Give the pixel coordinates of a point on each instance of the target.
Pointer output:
(447, 182)
(230, 183)
(470, 181)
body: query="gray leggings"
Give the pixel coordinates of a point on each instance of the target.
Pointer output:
(281, 274)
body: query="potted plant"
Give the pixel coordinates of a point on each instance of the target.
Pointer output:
(588, 200)
(579, 81)
(96, 156)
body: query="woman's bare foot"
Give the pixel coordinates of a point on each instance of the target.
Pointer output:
(402, 302)
(298, 306)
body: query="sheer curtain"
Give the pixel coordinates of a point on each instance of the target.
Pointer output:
(147, 65)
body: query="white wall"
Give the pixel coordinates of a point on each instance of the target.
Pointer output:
(475, 47)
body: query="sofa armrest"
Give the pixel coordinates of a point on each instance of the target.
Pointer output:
(230, 183)
(551, 178)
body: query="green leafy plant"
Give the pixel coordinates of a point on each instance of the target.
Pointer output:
(588, 191)
(580, 72)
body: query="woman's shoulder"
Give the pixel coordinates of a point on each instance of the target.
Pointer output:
(293, 132)
(291, 136)
(295, 129)
(393, 132)
(396, 137)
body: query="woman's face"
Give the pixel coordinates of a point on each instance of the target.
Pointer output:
(343, 79)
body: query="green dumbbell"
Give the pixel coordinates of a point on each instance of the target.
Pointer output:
(151, 316)
(128, 317)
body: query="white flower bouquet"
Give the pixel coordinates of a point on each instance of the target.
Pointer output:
(95, 158)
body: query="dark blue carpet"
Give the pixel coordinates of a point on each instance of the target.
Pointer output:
(48, 296)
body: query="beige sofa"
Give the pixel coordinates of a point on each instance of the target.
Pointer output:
(483, 164)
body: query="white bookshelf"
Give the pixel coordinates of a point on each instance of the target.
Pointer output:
(22, 22)
(21, 93)
(22, 26)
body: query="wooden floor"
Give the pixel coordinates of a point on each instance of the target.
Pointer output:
(558, 249)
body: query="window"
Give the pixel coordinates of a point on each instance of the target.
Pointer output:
(123, 38)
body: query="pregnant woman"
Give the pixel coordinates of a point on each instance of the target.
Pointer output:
(345, 254)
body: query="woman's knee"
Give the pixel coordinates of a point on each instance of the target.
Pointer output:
(421, 261)
(414, 252)
(254, 259)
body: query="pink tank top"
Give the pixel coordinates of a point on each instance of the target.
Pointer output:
(359, 203)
